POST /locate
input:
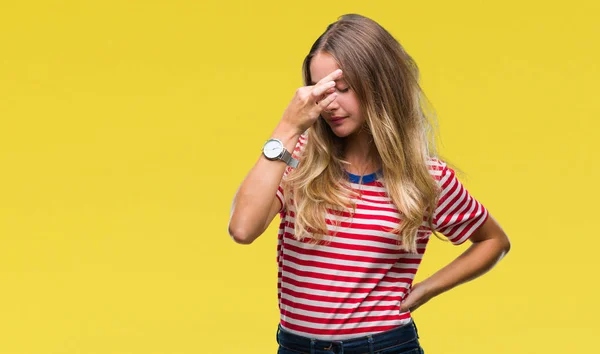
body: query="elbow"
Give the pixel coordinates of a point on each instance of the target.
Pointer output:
(505, 245)
(240, 235)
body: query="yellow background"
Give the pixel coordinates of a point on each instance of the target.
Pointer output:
(127, 126)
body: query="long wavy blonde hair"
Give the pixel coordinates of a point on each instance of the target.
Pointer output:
(385, 80)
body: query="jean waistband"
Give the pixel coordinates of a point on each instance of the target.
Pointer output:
(367, 344)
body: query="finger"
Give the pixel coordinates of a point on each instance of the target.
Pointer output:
(331, 90)
(406, 308)
(325, 83)
(320, 89)
(326, 101)
(331, 77)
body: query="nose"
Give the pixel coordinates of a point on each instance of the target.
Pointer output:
(332, 106)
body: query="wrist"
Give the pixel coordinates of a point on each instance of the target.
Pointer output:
(290, 127)
(288, 134)
(274, 150)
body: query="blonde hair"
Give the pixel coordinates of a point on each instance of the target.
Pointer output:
(385, 80)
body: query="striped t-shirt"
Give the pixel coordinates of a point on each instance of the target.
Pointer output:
(353, 285)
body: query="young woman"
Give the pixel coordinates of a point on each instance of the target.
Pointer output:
(351, 170)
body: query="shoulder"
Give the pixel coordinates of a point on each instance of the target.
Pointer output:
(437, 168)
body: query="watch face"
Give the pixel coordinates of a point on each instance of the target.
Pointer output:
(272, 149)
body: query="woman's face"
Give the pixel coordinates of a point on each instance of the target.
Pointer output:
(343, 114)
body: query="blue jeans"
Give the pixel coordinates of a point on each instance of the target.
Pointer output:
(400, 340)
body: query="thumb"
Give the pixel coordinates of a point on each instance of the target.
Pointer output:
(405, 304)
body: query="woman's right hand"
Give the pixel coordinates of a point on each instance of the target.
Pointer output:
(309, 101)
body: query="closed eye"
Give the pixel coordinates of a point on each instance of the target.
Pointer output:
(343, 90)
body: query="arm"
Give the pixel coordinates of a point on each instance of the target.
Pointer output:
(255, 203)
(490, 245)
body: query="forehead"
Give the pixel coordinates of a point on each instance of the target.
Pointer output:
(321, 65)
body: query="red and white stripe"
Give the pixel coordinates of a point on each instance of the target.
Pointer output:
(354, 284)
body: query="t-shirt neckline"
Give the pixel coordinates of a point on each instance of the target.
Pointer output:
(365, 179)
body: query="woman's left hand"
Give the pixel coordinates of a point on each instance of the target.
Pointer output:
(417, 296)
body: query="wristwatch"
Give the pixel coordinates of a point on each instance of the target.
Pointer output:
(274, 150)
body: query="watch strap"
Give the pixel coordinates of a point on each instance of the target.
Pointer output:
(288, 159)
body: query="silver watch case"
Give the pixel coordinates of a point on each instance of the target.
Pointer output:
(284, 156)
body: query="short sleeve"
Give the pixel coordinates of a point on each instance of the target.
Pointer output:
(295, 154)
(458, 215)
(281, 198)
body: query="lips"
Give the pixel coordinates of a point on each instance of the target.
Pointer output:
(336, 119)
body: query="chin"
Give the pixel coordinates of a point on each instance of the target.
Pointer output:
(340, 133)
(343, 132)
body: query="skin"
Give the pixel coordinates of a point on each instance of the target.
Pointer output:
(253, 210)
(346, 106)
(254, 205)
(358, 147)
(489, 243)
